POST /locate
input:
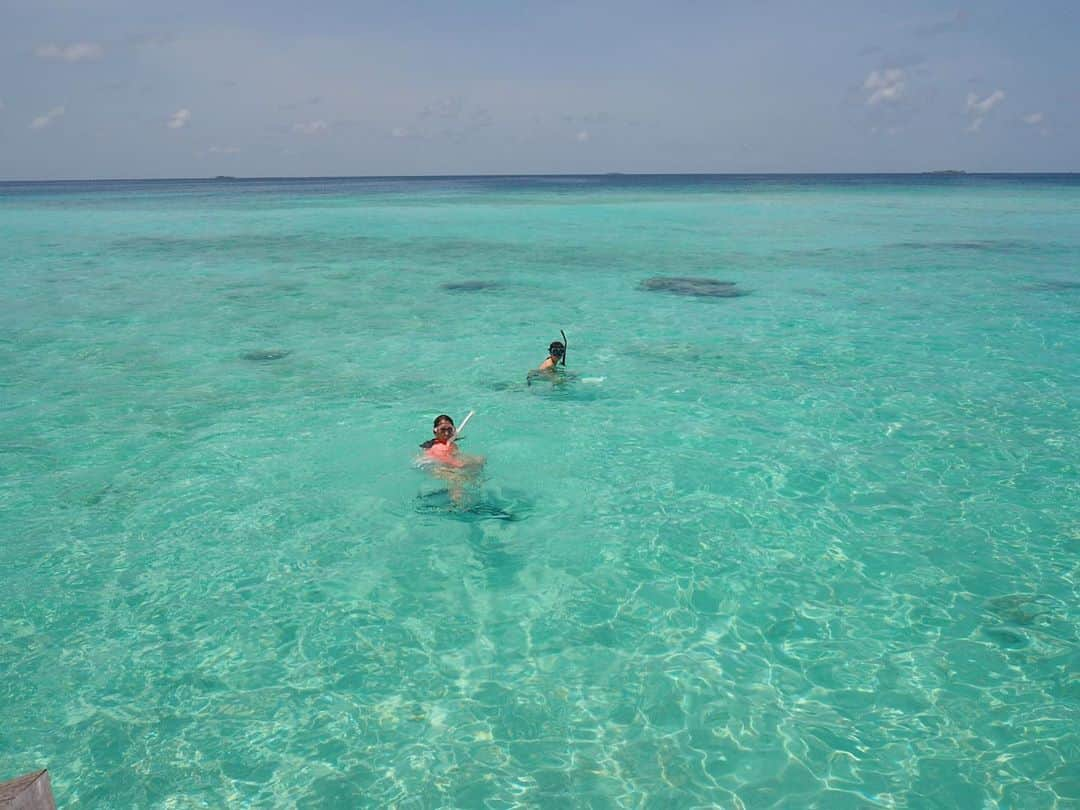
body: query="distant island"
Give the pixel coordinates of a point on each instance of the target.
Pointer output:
(947, 172)
(224, 177)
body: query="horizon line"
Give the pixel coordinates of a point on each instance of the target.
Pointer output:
(501, 175)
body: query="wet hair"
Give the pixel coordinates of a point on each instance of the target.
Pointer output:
(557, 349)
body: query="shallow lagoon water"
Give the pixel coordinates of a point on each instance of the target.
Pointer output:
(815, 544)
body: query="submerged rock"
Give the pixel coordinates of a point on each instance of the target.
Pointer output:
(697, 287)
(1054, 285)
(470, 286)
(266, 355)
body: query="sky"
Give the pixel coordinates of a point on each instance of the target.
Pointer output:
(139, 88)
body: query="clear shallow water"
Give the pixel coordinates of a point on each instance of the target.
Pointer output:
(817, 544)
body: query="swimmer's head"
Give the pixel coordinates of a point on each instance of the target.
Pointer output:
(557, 349)
(443, 427)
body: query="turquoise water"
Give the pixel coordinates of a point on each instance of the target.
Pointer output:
(816, 545)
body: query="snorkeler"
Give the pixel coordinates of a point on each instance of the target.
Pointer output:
(443, 449)
(442, 457)
(556, 356)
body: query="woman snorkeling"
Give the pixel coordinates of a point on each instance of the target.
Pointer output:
(443, 448)
(446, 462)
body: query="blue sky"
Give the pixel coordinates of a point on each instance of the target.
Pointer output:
(118, 88)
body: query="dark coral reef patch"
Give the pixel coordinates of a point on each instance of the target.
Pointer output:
(695, 287)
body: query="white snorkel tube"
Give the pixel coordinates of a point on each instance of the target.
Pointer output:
(461, 427)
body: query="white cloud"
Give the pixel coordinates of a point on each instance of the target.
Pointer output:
(885, 85)
(179, 118)
(311, 128)
(45, 120)
(583, 136)
(75, 52)
(224, 150)
(1033, 119)
(981, 107)
(399, 132)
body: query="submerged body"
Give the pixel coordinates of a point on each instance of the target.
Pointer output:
(442, 456)
(555, 376)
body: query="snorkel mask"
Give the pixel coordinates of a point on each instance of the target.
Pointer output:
(444, 425)
(556, 349)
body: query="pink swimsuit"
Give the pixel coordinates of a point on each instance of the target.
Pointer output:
(444, 454)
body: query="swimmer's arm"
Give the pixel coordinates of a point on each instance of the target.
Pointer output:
(546, 368)
(471, 461)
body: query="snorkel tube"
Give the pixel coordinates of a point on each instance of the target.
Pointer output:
(564, 346)
(464, 422)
